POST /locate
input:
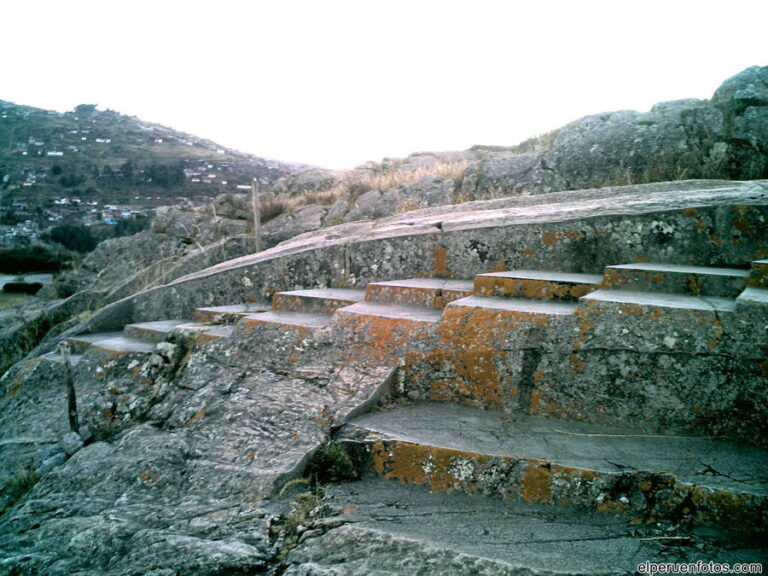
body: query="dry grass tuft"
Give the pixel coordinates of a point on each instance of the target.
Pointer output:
(357, 182)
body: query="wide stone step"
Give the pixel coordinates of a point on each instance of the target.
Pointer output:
(206, 332)
(538, 284)
(82, 342)
(381, 527)
(325, 300)
(483, 350)
(380, 331)
(547, 461)
(661, 300)
(676, 279)
(304, 321)
(229, 314)
(407, 314)
(156, 331)
(214, 333)
(124, 345)
(521, 306)
(430, 292)
(654, 322)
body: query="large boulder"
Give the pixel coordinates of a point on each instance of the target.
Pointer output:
(725, 137)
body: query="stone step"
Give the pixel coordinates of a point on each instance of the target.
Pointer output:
(206, 332)
(749, 328)
(548, 461)
(408, 314)
(156, 331)
(214, 333)
(654, 322)
(381, 330)
(662, 300)
(325, 300)
(228, 314)
(481, 351)
(538, 284)
(304, 321)
(380, 527)
(124, 345)
(522, 306)
(82, 342)
(676, 279)
(430, 292)
(759, 274)
(753, 298)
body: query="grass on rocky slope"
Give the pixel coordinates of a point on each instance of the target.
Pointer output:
(357, 182)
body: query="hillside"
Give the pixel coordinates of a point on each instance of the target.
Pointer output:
(555, 418)
(105, 157)
(724, 137)
(502, 361)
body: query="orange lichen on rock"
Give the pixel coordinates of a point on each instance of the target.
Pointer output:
(535, 484)
(198, 415)
(577, 363)
(440, 267)
(549, 238)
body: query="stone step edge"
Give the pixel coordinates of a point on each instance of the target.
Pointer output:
(81, 342)
(334, 299)
(414, 315)
(429, 292)
(536, 284)
(658, 300)
(125, 345)
(227, 313)
(527, 306)
(682, 279)
(649, 496)
(301, 320)
(157, 330)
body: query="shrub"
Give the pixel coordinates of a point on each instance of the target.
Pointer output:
(21, 483)
(22, 287)
(271, 209)
(331, 463)
(77, 238)
(36, 258)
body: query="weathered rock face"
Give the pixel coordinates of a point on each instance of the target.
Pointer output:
(725, 137)
(191, 447)
(172, 235)
(290, 224)
(188, 450)
(722, 138)
(186, 456)
(310, 180)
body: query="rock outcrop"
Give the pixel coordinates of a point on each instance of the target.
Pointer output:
(725, 137)
(554, 381)
(573, 408)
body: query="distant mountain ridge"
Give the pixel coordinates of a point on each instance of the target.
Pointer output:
(105, 156)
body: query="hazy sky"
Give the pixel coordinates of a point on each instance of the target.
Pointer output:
(337, 83)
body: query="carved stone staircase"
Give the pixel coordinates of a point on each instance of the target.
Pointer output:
(551, 388)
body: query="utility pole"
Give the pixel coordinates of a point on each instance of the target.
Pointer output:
(256, 205)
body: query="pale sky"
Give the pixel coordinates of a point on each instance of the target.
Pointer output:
(339, 82)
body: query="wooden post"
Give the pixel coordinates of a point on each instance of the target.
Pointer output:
(256, 203)
(64, 350)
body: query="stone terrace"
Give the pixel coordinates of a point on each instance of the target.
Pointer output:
(598, 349)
